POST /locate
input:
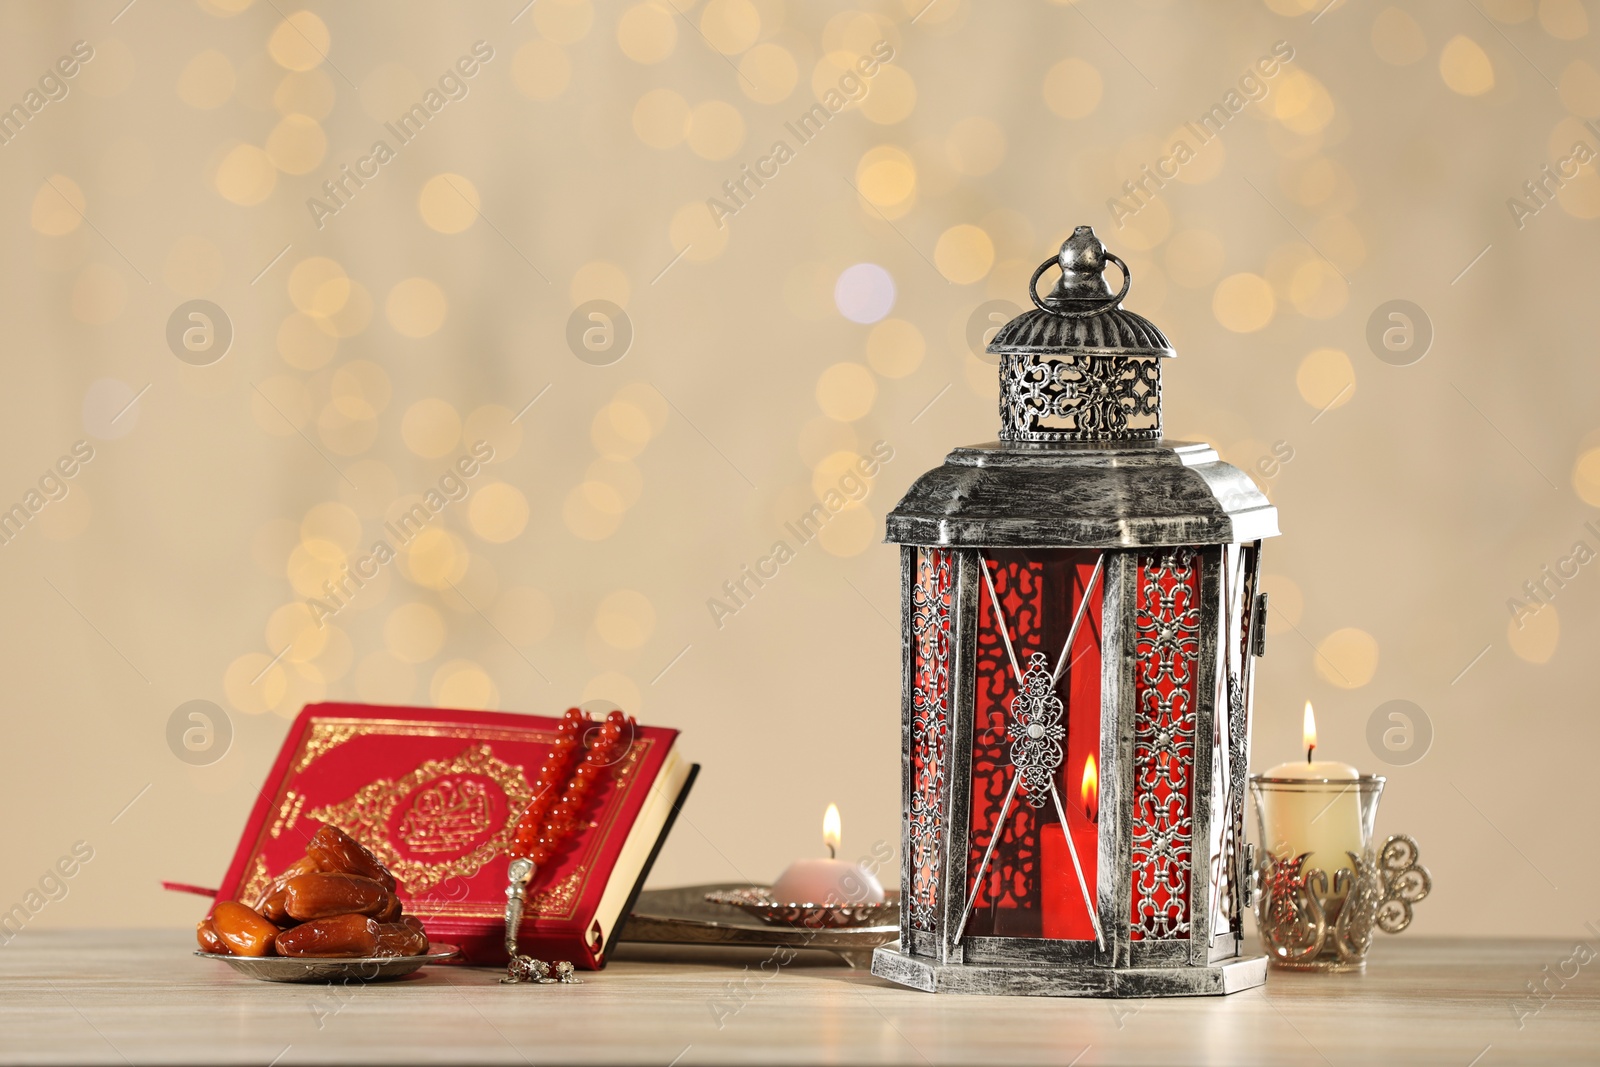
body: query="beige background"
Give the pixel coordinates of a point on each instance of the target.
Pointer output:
(434, 307)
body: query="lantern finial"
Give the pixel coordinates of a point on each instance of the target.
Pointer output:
(1078, 367)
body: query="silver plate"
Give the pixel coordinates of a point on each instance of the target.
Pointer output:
(309, 969)
(683, 916)
(757, 900)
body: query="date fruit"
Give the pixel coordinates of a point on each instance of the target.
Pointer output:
(243, 929)
(334, 936)
(401, 938)
(317, 896)
(206, 934)
(335, 851)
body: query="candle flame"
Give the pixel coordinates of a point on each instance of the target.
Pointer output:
(1091, 790)
(831, 834)
(1310, 730)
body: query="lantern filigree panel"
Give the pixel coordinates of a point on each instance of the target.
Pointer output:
(1236, 620)
(1036, 724)
(1166, 683)
(930, 730)
(1082, 397)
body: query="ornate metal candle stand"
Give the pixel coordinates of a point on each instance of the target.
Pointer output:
(1311, 918)
(1081, 612)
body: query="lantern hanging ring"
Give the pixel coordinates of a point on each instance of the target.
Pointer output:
(1102, 308)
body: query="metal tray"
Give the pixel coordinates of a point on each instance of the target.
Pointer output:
(309, 969)
(683, 916)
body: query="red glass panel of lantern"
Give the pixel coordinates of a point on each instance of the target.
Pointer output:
(1166, 679)
(1036, 727)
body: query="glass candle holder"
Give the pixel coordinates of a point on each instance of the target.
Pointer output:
(1321, 888)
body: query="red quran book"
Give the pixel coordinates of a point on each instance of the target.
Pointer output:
(436, 793)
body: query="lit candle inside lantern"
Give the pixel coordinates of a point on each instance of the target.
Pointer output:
(1091, 791)
(1326, 823)
(829, 881)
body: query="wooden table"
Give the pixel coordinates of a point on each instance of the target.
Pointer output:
(139, 997)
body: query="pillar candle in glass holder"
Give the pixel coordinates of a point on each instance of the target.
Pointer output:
(1325, 822)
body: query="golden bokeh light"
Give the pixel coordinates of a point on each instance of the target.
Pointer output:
(1397, 38)
(498, 512)
(846, 391)
(246, 175)
(600, 280)
(625, 619)
(887, 177)
(850, 532)
(592, 511)
(318, 286)
(448, 203)
(1318, 290)
(461, 683)
(431, 428)
(1534, 638)
(563, 21)
(414, 632)
(1466, 67)
(895, 348)
(416, 307)
(309, 92)
(964, 253)
(435, 559)
(254, 683)
(891, 96)
(299, 42)
(661, 118)
(541, 70)
(1326, 379)
(730, 26)
(360, 389)
(334, 523)
(297, 144)
(1347, 658)
(1243, 302)
(206, 81)
(648, 32)
(495, 426)
(1301, 102)
(58, 206)
(768, 73)
(1586, 477)
(1566, 20)
(716, 130)
(1072, 88)
(293, 631)
(694, 232)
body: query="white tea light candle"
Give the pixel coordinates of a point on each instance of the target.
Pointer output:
(829, 881)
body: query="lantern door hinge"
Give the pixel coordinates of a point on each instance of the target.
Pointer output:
(1258, 626)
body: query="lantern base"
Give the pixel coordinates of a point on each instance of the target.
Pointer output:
(1045, 980)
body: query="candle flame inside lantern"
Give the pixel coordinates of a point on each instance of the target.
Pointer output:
(1091, 790)
(831, 834)
(1310, 731)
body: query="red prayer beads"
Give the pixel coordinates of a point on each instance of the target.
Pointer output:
(564, 781)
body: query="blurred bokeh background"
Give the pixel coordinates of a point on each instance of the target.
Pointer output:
(742, 353)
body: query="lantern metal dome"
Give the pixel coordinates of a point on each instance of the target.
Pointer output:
(1080, 524)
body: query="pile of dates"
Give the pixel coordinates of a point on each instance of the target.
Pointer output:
(338, 901)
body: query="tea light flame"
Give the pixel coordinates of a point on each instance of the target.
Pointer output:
(1091, 790)
(831, 834)
(1310, 731)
